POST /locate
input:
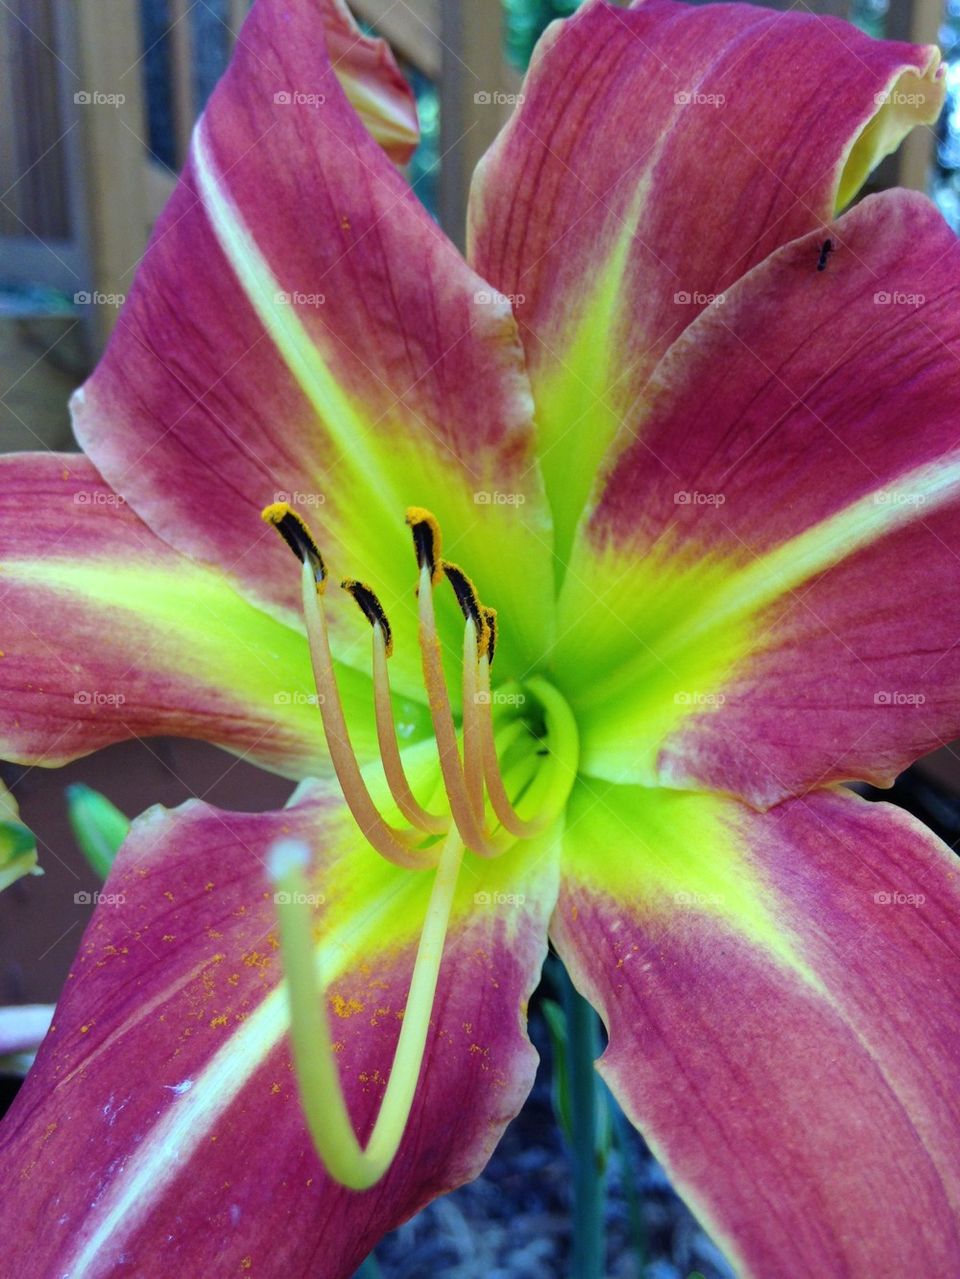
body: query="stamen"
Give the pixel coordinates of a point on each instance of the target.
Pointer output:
(318, 1078)
(555, 781)
(490, 617)
(472, 741)
(415, 813)
(427, 540)
(475, 641)
(294, 531)
(397, 846)
(372, 610)
(467, 822)
(469, 601)
(544, 789)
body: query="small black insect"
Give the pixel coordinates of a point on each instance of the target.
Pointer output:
(825, 250)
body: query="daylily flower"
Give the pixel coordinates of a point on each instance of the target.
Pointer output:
(712, 493)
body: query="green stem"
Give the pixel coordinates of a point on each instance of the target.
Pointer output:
(621, 1137)
(589, 1177)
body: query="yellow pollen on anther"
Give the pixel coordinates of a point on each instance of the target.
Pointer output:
(469, 601)
(295, 532)
(371, 608)
(490, 617)
(427, 540)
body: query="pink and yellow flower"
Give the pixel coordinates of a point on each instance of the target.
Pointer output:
(712, 493)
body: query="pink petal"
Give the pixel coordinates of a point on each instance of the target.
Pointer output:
(781, 997)
(764, 583)
(107, 633)
(658, 155)
(160, 1129)
(301, 328)
(373, 82)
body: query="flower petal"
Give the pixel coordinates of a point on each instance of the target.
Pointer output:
(371, 79)
(23, 1026)
(759, 601)
(780, 992)
(166, 1085)
(107, 633)
(658, 155)
(301, 328)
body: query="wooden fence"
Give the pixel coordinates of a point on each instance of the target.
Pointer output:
(81, 188)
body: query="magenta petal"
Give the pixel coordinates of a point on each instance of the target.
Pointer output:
(301, 330)
(658, 154)
(373, 82)
(107, 633)
(763, 582)
(782, 1000)
(160, 1130)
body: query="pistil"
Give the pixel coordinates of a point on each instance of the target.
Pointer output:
(318, 1076)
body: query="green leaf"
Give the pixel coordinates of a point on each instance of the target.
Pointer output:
(18, 847)
(560, 1082)
(99, 826)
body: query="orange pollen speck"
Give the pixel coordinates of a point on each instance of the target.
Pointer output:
(345, 1007)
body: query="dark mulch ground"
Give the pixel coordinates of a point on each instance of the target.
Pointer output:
(513, 1222)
